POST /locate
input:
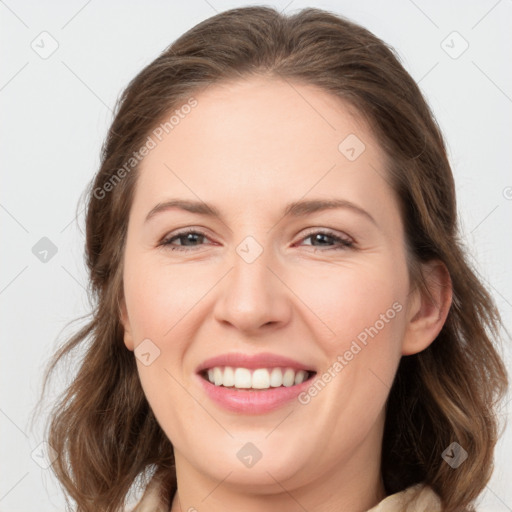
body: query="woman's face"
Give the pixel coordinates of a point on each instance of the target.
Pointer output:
(277, 287)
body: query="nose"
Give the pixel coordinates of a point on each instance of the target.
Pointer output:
(252, 296)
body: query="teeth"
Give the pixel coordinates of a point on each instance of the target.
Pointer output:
(228, 379)
(300, 377)
(217, 376)
(276, 377)
(260, 378)
(288, 377)
(242, 378)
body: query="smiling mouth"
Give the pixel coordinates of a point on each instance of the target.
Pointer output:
(255, 379)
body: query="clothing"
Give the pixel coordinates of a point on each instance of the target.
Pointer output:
(150, 501)
(422, 499)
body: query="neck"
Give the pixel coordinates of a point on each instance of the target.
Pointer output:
(317, 500)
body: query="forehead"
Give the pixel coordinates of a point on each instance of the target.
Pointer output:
(262, 138)
(271, 116)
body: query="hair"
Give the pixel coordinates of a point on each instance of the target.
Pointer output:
(102, 426)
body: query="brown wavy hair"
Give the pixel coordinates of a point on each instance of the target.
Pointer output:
(102, 427)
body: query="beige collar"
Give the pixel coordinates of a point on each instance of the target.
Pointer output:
(417, 498)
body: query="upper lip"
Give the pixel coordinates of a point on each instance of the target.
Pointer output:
(252, 361)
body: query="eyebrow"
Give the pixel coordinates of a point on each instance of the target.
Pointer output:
(296, 209)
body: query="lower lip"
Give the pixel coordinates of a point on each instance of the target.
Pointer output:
(251, 401)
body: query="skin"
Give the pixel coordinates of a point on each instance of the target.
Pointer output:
(249, 148)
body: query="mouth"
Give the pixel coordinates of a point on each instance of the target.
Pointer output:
(241, 378)
(253, 384)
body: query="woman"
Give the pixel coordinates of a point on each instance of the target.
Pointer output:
(285, 318)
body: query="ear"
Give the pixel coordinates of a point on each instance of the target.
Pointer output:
(428, 308)
(125, 322)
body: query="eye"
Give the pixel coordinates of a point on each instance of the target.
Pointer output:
(191, 238)
(187, 238)
(325, 238)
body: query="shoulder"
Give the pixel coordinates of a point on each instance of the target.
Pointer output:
(151, 500)
(417, 498)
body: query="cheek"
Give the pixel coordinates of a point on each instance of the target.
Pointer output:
(162, 300)
(355, 302)
(364, 310)
(159, 297)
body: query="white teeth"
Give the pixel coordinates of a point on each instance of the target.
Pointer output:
(300, 377)
(260, 378)
(288, 377)
(217, 376)
(243, 378)
(276, 378)
(229, 377)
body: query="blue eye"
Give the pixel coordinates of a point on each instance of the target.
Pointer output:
(189, 240)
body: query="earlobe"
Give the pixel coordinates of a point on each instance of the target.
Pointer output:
(125, 323)
(429, 307)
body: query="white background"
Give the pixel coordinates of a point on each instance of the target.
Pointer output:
(54, 116)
